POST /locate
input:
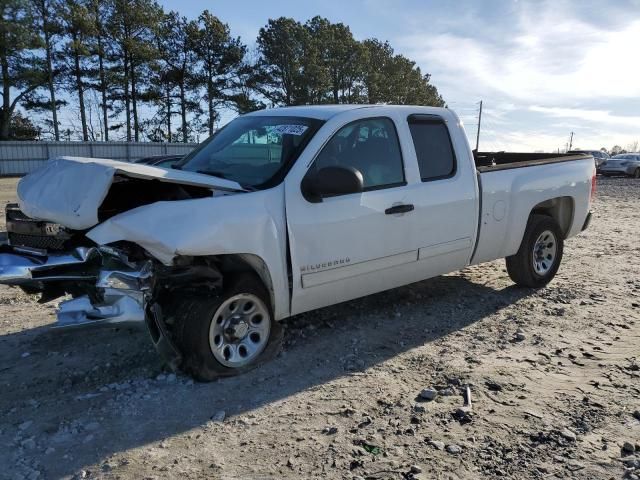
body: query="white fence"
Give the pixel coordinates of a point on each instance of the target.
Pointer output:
(19, 158)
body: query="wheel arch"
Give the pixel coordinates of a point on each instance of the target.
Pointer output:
(561, 209)
(233, 264)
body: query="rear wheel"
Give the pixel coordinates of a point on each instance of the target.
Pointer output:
(540, 253)
(636, 174)
(228, 334)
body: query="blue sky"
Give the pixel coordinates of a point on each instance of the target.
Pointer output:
(542, 68)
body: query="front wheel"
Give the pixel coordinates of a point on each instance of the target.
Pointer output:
(540, 253)
(228, 334)
(636, 173)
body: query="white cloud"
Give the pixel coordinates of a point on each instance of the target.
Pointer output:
(546, 64)
(558, 61)
(591, 116)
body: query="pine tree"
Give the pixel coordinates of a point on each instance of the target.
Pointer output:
(99, 10)
(221, 66)
(175, 44)
(46, 14)
(21, 68)
(79, 28)
(131, 27)
(282, 45)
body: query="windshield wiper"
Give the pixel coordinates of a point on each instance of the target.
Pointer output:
(216, 173)
(213, 173)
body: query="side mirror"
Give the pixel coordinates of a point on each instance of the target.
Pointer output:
(331, 181)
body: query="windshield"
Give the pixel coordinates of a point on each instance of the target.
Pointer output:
(255, 151)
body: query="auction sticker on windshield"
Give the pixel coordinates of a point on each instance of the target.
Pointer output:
(290, 129)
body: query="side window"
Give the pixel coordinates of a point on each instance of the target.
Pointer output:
(370, 146)
(434, 150)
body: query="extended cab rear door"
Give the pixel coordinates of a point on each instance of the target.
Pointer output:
(444, 191)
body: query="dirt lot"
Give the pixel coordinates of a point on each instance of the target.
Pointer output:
(554, 377)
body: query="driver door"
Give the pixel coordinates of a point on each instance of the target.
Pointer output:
(351, 245)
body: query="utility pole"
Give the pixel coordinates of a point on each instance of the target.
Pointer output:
(479, 122)
(570, 142)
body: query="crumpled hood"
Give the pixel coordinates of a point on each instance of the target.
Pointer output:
(204, 226)
(69, 190)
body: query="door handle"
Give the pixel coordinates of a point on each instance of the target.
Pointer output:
(406, 208)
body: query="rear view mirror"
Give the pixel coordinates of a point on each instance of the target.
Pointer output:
(331, 181)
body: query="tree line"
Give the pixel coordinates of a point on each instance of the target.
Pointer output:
(632, 147)
(128, 70)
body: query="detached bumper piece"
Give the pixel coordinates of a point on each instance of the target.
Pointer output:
(107, 288)
(33, 267)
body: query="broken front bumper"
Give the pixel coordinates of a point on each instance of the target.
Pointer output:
(114, 288)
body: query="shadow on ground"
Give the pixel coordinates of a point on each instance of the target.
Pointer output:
(53, 385)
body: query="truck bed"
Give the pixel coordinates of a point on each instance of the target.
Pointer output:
(554, 183)
(493, 161)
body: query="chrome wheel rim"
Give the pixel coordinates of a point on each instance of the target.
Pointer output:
(544, 252)
(239, 330)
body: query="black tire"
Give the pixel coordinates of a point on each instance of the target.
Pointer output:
(192, 320)
(521, 265)
(636, 173)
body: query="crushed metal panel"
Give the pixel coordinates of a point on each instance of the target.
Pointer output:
(70, 190)
(65, 192)
(247, 223)
(150, 172)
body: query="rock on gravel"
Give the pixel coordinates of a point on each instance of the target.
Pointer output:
(437, 444)
(24, 425)
(568, 435)
(628, 448)
(453, 449)
(428, 394)
(219, 416)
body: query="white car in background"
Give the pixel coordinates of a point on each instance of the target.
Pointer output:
(622, 164)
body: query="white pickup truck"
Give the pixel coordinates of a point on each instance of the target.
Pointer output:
(281, 212)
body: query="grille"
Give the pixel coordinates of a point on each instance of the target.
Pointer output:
(23, 231)
(36, 241)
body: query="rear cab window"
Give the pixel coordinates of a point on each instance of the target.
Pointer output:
(433, 146)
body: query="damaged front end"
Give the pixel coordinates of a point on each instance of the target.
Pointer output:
(110, 285)
(51, 252)
(105, 286)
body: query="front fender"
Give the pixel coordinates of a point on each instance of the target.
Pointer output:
(242, 224)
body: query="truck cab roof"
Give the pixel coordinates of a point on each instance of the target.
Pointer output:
(325, 112)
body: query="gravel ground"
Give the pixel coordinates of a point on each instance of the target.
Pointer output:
(554, 377)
